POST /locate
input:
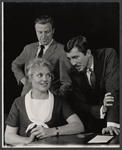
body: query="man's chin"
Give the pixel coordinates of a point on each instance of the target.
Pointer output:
(80, 70)
(44, 42)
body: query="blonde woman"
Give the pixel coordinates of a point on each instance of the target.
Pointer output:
(40, 114)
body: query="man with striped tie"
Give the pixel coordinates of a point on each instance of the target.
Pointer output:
(49, 49)
(96, 85)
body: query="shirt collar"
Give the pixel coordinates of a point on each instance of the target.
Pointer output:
(92, 65)
(46, 46)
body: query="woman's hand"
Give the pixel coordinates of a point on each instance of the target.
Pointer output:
(42, 132)
(30, 139)
(108, 101)
(12, 138)
(111, 130)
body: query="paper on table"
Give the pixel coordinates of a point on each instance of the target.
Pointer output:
(100, 139)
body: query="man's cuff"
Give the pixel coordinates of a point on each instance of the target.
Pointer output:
(101, 113)
(113, 124)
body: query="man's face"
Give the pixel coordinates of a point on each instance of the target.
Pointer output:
(78, 59)
(44, 33)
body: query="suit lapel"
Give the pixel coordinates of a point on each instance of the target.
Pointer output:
(34, 50)
(50, 50)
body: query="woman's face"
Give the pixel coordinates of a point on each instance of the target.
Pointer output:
(41, 80)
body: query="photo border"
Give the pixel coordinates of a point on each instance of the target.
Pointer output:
(2, 55)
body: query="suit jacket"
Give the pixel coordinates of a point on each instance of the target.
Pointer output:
(88, 101)
(55, 54)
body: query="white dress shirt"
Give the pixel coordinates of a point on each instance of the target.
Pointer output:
(45, 48)
(88, 73)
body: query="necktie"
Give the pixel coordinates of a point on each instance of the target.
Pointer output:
(41, 51)
(92, 78)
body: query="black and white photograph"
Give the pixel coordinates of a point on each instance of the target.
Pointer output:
(61, 74)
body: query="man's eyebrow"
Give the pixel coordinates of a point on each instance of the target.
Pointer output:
(74, 56)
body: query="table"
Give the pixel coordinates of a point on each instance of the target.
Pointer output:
(78, 140)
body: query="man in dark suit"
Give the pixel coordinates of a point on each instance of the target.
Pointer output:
(49, 49)
(96, 85)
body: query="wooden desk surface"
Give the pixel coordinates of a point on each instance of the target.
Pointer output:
(73, 141)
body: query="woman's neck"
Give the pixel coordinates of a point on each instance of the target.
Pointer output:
(39, 95)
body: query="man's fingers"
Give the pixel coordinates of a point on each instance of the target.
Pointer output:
(109, 105)
(119, 131)
(104, 130)
(109, 100)
(109, 97)
(111, 130)
(116, 131)
(107, 94)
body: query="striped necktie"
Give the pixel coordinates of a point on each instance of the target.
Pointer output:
(41, 51)
(92, 78)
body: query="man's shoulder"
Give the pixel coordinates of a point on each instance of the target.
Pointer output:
(103, 52)
(31, 47)
(58, 44)
(35, 44)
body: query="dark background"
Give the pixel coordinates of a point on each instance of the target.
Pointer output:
(99, 22)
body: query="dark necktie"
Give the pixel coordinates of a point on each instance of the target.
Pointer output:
(92, 78)
(41, 51)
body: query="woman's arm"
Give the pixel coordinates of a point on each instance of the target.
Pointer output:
(74, 126)
(12, 138)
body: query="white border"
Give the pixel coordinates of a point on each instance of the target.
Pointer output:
(2, 74)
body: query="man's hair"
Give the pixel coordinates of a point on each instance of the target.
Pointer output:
(36, 64)
(80, 42)
(43, 20)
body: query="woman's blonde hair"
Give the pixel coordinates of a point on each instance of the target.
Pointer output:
(35, 65)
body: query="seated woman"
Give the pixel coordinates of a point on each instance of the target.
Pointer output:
(39, 113)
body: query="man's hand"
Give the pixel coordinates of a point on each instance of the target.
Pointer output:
(42, 132)
(111, 130)
(23, 80)
(108, 101)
